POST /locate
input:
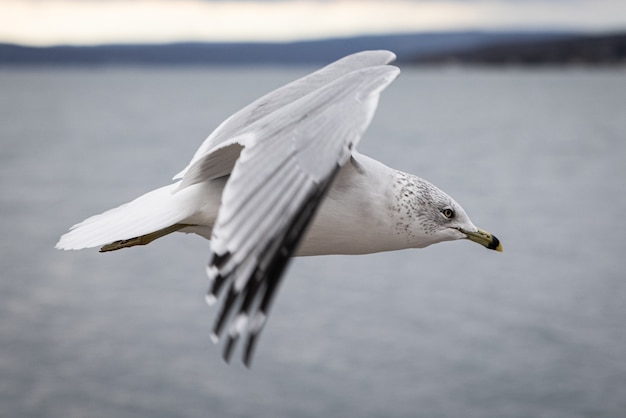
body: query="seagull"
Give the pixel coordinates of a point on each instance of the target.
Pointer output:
(282, 178)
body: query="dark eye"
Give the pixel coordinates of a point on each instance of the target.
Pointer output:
(448, 213)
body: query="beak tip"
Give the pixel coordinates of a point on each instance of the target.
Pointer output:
(495, 244)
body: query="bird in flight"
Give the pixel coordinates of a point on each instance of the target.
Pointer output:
(282, 178)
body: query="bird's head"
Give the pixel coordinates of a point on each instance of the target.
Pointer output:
(436, 217)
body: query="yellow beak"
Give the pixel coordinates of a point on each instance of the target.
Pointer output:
(484, 238)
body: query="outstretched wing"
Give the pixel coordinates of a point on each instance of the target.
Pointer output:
(217, 154)
(289, 159)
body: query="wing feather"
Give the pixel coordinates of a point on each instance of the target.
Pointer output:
(201, 166)
(289, 161)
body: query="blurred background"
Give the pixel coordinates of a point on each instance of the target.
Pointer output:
(517, 109)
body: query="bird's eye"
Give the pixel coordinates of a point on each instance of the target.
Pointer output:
(448, 213)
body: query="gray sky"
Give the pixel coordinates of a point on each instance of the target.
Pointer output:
(46, 22)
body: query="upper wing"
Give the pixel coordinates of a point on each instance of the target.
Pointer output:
(226, 138)
(289, 160)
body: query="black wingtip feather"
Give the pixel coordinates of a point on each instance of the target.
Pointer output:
(214, 267)
(248, 351)
(218, 260)
(228, 347)
(225, 311)
(218, 283)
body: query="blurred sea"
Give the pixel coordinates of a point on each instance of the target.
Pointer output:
(538, 157)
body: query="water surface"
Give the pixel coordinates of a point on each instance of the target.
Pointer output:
(536, 157)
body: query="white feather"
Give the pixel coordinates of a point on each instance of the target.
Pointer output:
(148, 213)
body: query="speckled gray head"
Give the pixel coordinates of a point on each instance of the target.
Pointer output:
(428, 215)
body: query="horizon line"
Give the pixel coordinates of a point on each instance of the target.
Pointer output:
(564, 30)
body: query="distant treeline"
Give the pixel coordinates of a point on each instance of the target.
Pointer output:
(589, 50)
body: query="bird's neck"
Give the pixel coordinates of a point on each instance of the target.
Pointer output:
(361, 213)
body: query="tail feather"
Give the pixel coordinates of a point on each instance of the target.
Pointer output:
(148, 217)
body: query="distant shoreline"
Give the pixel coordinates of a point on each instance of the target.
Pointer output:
(471, 47)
